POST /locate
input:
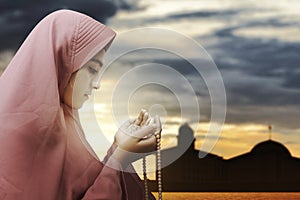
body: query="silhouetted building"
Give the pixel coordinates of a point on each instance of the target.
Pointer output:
(269, 166)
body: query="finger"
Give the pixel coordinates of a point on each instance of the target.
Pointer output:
(145, 118)
(140, 117)
(148, 122)
(157, 123)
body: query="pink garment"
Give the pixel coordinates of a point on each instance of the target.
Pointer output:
(41, 154)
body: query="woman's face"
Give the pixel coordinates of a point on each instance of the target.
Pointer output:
(83, 81)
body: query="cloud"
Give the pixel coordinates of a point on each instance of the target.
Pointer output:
(203, 14)
(18, 17)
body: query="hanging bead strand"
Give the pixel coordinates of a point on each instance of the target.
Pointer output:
(158, 166)
(145, 178)
(158, 170)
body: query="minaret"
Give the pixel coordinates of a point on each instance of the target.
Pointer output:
(186, 138)
(270, 131)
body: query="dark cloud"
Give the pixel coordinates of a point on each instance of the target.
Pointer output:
(99, 9)
(292, 80)
(260, 93)
(204, 14)
(268, 72)
(261, 57)
(261, 77)
(265, 58)
(18, 17)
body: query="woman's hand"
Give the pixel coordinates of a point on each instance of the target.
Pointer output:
(136, 138)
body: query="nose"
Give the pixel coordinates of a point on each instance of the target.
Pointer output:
(96, 85)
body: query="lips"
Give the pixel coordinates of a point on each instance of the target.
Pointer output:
(88, 94)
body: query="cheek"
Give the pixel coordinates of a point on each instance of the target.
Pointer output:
(81, 85)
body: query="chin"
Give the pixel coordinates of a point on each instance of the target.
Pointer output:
(77, 105)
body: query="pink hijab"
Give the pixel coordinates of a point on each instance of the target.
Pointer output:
(43, 151)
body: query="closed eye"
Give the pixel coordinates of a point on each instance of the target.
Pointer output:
(92, 70)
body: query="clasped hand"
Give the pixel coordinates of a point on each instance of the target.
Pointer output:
(136, 138)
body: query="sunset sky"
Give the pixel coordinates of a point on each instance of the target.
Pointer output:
(254, 44)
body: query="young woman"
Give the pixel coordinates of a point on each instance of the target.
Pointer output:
(43, 151)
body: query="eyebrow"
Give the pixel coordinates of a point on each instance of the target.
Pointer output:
(97, 61)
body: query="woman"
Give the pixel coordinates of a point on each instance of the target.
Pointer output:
(43, 151)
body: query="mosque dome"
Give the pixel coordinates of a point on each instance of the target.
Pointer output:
(271, 147)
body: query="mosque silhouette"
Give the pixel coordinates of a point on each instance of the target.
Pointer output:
(269, 166)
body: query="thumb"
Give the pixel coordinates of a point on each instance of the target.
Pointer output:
(158, 124)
